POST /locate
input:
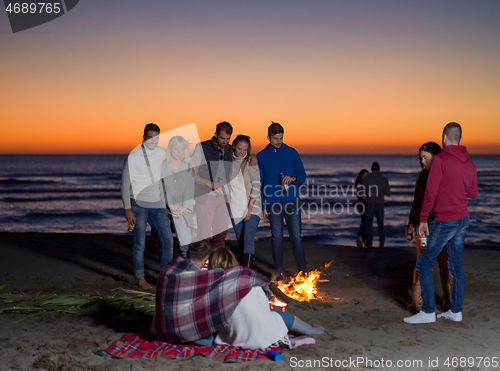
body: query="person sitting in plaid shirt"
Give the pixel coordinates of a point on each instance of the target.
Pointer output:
(254, 324)
(191, 303)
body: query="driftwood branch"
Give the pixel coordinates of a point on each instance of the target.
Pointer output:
(279, 294)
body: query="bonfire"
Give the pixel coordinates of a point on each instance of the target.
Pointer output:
(301, 287)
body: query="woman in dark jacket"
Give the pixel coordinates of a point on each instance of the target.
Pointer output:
(360, 207)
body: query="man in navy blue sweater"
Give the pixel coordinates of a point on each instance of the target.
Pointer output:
(282, 172)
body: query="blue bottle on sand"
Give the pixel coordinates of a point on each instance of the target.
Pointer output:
(275, 356)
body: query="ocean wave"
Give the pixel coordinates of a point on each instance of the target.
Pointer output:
(115, 212)
(62, 174)
(78, 214)
(62, 190)
(488, 172)
(488, 186)
(16, 181)
(82, 193)
(327, 201)
(483, 244)
(332, 201)
(68, 198)
(333, 174)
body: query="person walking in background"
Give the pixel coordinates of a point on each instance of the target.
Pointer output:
(452, 179)
(144, 199)
(246, 204)
(282, 172)
(361, 207)
(214, 160)
(426, 155)
(376, 186)
(179, 183)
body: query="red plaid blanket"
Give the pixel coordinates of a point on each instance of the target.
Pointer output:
(192, 304)
(133, 346)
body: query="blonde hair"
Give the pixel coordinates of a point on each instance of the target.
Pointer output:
(173, 141)
(222, 258)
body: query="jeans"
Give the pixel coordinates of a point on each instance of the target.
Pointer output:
(290, 212)
(374, 209)
(158, 219)
(206, 341)
(361, 207)
(183, 233)
(245, 233)
(288, 318)
(440, 234)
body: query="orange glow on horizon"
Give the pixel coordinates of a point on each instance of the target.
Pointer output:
(78, 116)
(96, 139)
(106, 114)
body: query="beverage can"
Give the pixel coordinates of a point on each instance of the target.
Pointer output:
(284, 187)
(131, 227)
(218, 191)
(409, 233)
(205, 266)
(423, 243)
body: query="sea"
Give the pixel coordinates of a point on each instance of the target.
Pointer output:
(81, 194)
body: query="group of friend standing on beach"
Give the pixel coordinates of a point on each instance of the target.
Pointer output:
(221, 183)
(227, 303)
(224, 182)
(440, 216)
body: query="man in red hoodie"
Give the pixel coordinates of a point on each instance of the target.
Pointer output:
(452, 179)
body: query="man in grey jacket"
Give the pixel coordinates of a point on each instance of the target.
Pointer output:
(376, 186)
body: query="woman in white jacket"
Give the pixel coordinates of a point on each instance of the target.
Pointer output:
(246, 204)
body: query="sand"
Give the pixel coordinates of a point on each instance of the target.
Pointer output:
(361, 308)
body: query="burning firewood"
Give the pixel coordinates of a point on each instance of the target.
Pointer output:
(279, 294)
(301, 287)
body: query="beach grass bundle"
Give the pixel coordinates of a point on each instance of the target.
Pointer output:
(85, 305)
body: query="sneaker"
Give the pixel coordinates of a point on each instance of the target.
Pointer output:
(457, 317)
(421, 317)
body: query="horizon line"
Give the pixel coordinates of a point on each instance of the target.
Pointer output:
(301, 154)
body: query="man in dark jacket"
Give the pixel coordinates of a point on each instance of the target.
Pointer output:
(452, 179)
(376, 186)
(214, 160)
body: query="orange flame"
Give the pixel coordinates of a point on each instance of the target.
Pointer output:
(278, 303)
(301, 287)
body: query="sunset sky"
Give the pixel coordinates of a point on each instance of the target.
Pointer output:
(346, 76)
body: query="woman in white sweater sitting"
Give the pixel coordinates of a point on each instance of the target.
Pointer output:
(253, 324)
